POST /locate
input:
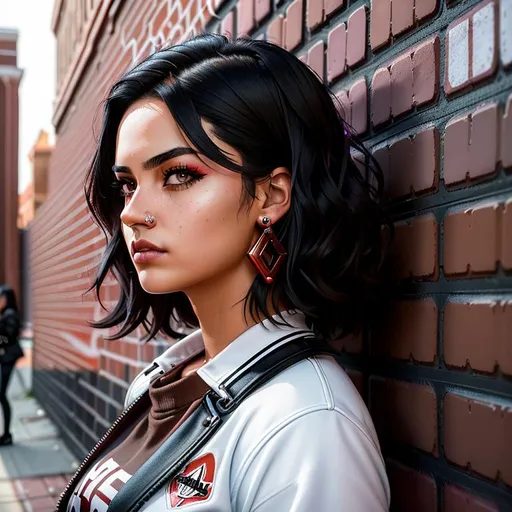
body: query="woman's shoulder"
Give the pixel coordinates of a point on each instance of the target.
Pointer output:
(314, 384)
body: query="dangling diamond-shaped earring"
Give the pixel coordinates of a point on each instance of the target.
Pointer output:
(267, 254)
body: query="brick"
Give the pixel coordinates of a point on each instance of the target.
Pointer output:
(424, 8)
(275, 32)
(357, 379)
(398, 182)
(405, 413)
(411, 490)
(506, 135)
(458, 500)
(344, 104)
(471, 241)
(261, 9)
(332, 5)
(401, 85)
(245, 16)
(425, 71)
(401, 15)
(415, 248)
(425, 161)
(477, 434)
(483, 148)
(471, 47)
(506, 236)
(314, 13)
(352, 344)
(316, 58)
(409, 332)
(31, 488)
(380, 23)
(382, 156)
(478, 334)
(356, 37)
(506, 32)
(336, 52)
(228, 24)
(293, 25)
(381, 96)
(456, 150)
(414, 164)
(358, 98)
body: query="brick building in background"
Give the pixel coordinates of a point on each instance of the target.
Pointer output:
(10, 76)
(427, 84)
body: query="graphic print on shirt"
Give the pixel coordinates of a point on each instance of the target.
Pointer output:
(193, 484)
(97, 490)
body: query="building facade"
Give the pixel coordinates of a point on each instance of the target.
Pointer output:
(428, 86)
(10, 76)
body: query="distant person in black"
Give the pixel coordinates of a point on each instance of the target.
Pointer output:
(10, 352)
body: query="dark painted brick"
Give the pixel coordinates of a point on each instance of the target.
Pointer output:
(410, 331)
(458, 500)
(414, 249)
(506, 135)
(381, 96)
(404, 412)
(356, 37)
(332, 5)
(336, 52)
(314, 13)
(478, 334)
(425, 71)
(316, 59)
(293, 25)
(411, 490)
(477, 433)
(424, 8)
(358, 99)
(471, 240)
(275, 31)
(401, 15)
(380, 23)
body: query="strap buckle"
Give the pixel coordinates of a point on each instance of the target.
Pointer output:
(226, 401)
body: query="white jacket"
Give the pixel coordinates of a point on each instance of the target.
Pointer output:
(304, 442)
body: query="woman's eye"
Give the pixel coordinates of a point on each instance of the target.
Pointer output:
(127, 188)
(178, 178)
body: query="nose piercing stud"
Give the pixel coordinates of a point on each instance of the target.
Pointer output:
(149, 219)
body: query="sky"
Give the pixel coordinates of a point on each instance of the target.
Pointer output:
(37, 58)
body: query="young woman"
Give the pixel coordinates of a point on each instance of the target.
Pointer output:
(10, 352)
(225, 184)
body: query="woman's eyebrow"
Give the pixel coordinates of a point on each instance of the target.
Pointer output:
(157, 160)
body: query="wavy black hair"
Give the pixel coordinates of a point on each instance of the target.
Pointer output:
(270, 107)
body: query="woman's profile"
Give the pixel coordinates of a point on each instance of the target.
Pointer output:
(10, 352)
(225, 184)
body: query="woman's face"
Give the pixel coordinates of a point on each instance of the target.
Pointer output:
(202, 232)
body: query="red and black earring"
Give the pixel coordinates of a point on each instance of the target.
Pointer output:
(267, 254)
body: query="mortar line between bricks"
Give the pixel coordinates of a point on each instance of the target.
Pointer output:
(438, 377)
(497, 190)
(499, 494)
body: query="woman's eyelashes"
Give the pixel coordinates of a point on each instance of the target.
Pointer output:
(176, 178)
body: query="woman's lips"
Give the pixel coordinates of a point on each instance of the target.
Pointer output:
(147, 256)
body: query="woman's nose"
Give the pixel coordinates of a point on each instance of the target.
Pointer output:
(135, 212)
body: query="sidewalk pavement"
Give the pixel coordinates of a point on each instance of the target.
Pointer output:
(37, 467)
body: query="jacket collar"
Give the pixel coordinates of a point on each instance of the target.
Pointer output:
(252, 344)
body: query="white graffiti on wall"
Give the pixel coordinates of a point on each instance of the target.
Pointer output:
(182, 21)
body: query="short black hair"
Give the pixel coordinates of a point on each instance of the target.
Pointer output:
(270, 107)
(7, 292)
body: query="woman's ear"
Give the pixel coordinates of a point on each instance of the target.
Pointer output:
(277, 192)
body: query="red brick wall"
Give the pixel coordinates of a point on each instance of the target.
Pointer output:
(428, 86)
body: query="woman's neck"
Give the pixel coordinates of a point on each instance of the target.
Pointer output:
(219, 306)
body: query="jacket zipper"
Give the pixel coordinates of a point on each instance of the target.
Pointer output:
(93, 452)
(212, 422)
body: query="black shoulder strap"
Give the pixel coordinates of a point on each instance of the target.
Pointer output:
(202, 424)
